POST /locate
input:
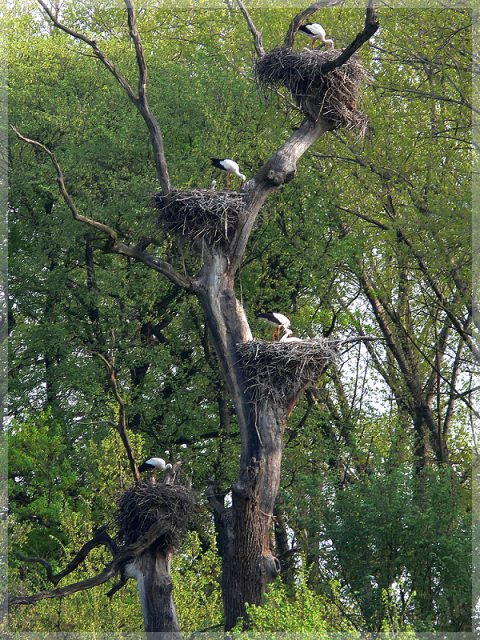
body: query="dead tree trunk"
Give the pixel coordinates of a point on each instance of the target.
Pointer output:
(153, 517)
(152, 572)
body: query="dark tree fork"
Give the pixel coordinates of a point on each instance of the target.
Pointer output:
(248, 563)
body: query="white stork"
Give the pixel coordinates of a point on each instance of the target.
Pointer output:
(286, 337)
(277, 319)
(155, 465)
(316, 32)
(229, 166)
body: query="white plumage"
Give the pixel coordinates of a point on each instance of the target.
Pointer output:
(315, 31)
(286, 337)
(155, 463)
(229, 166)
(277, 319)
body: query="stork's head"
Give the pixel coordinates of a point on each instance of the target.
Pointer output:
(286, 335)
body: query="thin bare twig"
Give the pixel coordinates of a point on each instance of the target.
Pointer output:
(114, 245)
(257, 36)
(122, 422)
(139, 101)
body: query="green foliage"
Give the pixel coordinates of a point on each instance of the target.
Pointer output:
(385, 546)
(303, 611)
(196, 578)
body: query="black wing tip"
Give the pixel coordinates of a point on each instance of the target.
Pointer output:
(269, 315)
(145, 467)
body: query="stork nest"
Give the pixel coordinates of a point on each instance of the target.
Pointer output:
(200, 214)
(147, 504)
(279, 371)
(331, 95)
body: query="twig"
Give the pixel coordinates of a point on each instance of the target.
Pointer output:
(140, 102)
(257, 36)
(122, 422)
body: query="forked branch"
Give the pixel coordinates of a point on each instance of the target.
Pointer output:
(139, 101)
(121, 558)
(100, 538)
(369, 29)
(113, 245)
(281, 167)
(109, 572)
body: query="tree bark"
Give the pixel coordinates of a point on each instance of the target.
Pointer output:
(151, 569)
(248, 562)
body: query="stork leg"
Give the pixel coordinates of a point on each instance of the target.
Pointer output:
(228, 182)
(278, 331)
(313, 44)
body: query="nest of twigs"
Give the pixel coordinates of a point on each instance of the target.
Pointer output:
(147, 504)
(200, 214)
(332, 95)
(279, 371)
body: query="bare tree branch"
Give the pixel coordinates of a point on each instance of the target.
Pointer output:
(100, 537)
(281, 167)
(109, 571)
(111, 233)
(278, 170)
(122, 422)
(116, 587)
(114, 246)
(98, 53)
(300, 17)
(257, 36)
(370, 27)
(121, 558)
(140, 102)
